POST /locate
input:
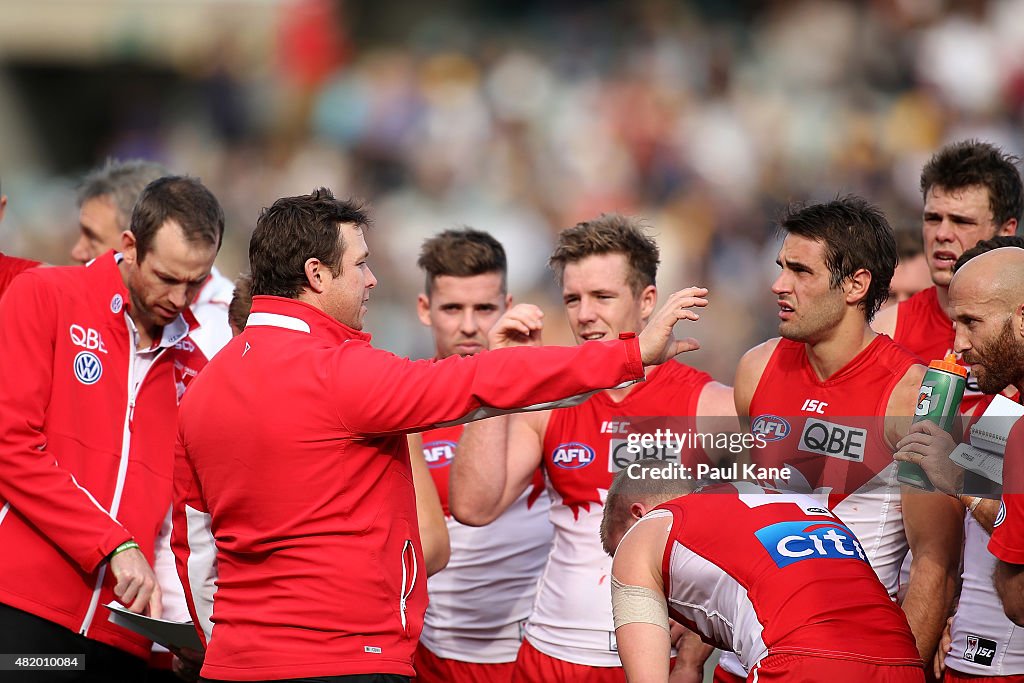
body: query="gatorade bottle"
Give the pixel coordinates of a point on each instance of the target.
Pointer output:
(938, 401)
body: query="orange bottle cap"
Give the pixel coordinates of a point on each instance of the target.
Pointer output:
(950, 365)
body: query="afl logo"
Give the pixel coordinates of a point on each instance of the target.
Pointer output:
(1001, 515)
(116, 304)
(573, 455)
(438, 453)
(770, 427)
(88, 368)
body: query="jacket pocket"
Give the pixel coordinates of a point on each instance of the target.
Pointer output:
(410, 573)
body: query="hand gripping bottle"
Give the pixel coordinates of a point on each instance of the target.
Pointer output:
(938, 401)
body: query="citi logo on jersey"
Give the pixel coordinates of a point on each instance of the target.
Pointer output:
(770, 427)
(789, 542)
(438, 453)
(572, 455)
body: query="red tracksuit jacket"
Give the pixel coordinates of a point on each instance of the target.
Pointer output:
(86, 458)
(295, 517)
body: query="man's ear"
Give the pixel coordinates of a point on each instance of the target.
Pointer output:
(3, 206)
(637, 510)
(129, 247)
(315, 275)
(508, 301)
(423, 309)
(857, 286)
(648, 300)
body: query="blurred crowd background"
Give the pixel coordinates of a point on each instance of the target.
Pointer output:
(518, 117)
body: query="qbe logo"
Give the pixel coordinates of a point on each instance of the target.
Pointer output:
(789, 542)
(438, 453)
(770, 427)
(572, 455)
(88, 368)
(833, 440)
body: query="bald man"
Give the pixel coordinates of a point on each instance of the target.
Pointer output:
(986, 298)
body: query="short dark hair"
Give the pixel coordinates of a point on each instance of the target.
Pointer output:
(122, 182)
(241, 302)
(974, 163)
(856, 235)
(293, 230)
(984, 246)
(184, 200)
(610, 233)
(462, 253)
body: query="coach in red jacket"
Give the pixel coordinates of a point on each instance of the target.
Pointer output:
(88, 394)
(295, 526)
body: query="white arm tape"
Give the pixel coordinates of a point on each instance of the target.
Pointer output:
(637, 604)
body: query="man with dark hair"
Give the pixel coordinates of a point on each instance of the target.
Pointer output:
(979, 302)
(10, 265)
(296, 504)
(607, 268)
(472, 629)
(106, 199)
(818, 395)
(776, 578)
(972, 191)
(90, 363)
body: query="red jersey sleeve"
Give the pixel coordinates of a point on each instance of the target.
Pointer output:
(409, 395)
(1007, 542)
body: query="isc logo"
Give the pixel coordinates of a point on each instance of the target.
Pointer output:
(185, 345)
(770, 427)
(789, 542)
(438, 453)
(572, 455)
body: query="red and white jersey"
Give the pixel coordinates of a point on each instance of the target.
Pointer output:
(830, 435)
(584, 446)
(985, 642)
(783, 576)
(1007, 542)
(480, 601)
(924, 328)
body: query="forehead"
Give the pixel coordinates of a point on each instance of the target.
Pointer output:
(598, 271)
(483, 288)
(99, 214)
(972, 199)
(172, 254)
(802, 249)
(355, 241)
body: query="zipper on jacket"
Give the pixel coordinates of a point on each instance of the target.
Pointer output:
(406, 548)
(122, 468)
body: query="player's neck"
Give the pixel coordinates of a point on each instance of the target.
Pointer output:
(942, 295)
(619, 395)
(831, 354)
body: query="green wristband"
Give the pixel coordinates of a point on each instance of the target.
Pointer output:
(127, 545)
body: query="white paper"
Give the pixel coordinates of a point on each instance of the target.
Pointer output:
(170, 634)
(981, 462)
